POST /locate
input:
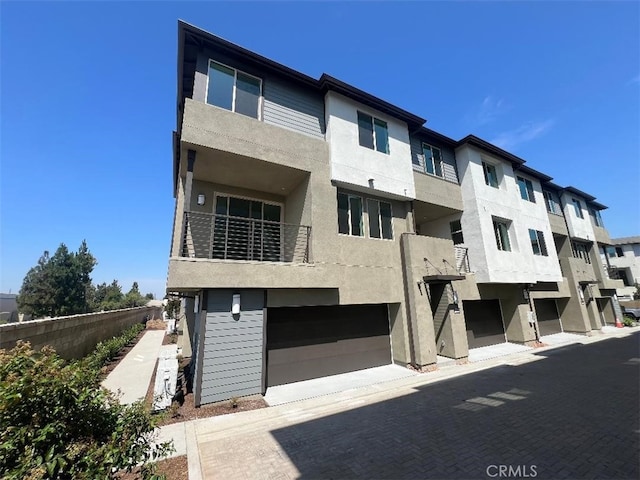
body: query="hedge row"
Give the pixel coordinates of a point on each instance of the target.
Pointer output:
(108, 350)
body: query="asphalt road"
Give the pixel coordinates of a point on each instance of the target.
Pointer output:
(574, 414)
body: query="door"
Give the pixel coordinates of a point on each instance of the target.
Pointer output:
(547, 316)
(483, 319)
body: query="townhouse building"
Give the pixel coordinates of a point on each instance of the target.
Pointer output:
(319, 230)
(622, 260)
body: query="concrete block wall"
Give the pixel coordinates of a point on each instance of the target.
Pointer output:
(76, 335)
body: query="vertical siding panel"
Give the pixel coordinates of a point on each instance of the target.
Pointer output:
(449, 169)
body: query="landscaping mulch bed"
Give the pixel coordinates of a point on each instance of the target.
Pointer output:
(175, 468)
(184, 409)
(109, 367)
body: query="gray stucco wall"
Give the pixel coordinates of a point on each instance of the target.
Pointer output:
(74, 336)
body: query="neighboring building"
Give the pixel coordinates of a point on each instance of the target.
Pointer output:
(320, 230)
(8, 308)
(622, 257)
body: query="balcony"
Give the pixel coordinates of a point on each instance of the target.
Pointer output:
(224, 237)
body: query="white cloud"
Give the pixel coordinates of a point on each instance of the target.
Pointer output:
(635, 79)
(522, 134)
(487, 111)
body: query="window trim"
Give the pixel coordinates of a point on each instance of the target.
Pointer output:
(222, 193)
(528, 188)
(381, 122)
(500, 241)
(455, 232)
(235, 83)
(537, 240)
(577, 208)
(379, 202)
(551, 204)
(485, 168)
(597, 218)
(349, 224)
(433, 163)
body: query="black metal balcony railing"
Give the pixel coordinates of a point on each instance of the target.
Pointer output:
(237, 238)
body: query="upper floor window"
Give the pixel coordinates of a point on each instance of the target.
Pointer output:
(552, 203)
(619, 252)
(234, 90)
(432, 160)
(537, 242)
(373, 133)
(581, 250)
(490, 174)
(526, 189)
(456, 232)
(350, 215)
(380, 224)
(611, 252)
(577, 206)
(501, 230)
(597, 219)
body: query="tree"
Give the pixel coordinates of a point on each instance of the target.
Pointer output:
(58, 285)
(57, 422)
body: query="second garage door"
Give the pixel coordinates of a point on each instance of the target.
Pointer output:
(484, 322)
(548, 318)
(312, 342)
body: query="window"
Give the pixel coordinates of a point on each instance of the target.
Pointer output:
(432, 160)
(501, 230)
(456, 232)
(537, 242)
(597, 219)
(234, 90)
(581, 250)
(490, 174)
(526, 189)
(373, 133)
(611, 252)
(350, 215)
(577, 207)
(619, 252)
(552, 203)
(379, 219)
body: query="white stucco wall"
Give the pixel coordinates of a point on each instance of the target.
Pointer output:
(354, 165)
(630, 259)
(579, 228)
(482, 203)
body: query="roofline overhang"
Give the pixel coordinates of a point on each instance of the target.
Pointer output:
(575, 191)
(490, 148)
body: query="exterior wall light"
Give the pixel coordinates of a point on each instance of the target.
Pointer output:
(235, 304)
(201, 199)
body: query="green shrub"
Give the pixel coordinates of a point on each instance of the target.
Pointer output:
(108, 350)
(57, 422)
(628, 321)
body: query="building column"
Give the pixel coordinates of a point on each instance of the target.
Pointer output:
(516, 315)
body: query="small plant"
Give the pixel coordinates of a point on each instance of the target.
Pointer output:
(628, 321)
(233, 402)
(174, 410)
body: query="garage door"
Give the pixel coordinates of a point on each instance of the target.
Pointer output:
(548, 318)
(312, 342)
(484, 322)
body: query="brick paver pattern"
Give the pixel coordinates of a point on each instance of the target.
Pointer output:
(571, 415)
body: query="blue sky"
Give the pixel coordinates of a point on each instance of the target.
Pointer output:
(88, 96)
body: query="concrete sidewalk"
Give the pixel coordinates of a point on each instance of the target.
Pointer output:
(133, 374)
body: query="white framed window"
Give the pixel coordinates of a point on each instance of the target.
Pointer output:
(526, 189)
(234, 90)
(350, 215)
(577, 206)
(456, 232)
(373, 133)
(380, 219)
(537, 243)
(432, 160)
(490, 174)
(501, 231)
(552, 203)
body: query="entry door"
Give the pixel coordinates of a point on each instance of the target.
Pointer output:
(246, 229)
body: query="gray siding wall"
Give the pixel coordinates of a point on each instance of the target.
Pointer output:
(449, 168)
(289, 106)
(233, 346)
(292, 108)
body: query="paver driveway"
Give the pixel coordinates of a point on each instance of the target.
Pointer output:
(572, 414)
